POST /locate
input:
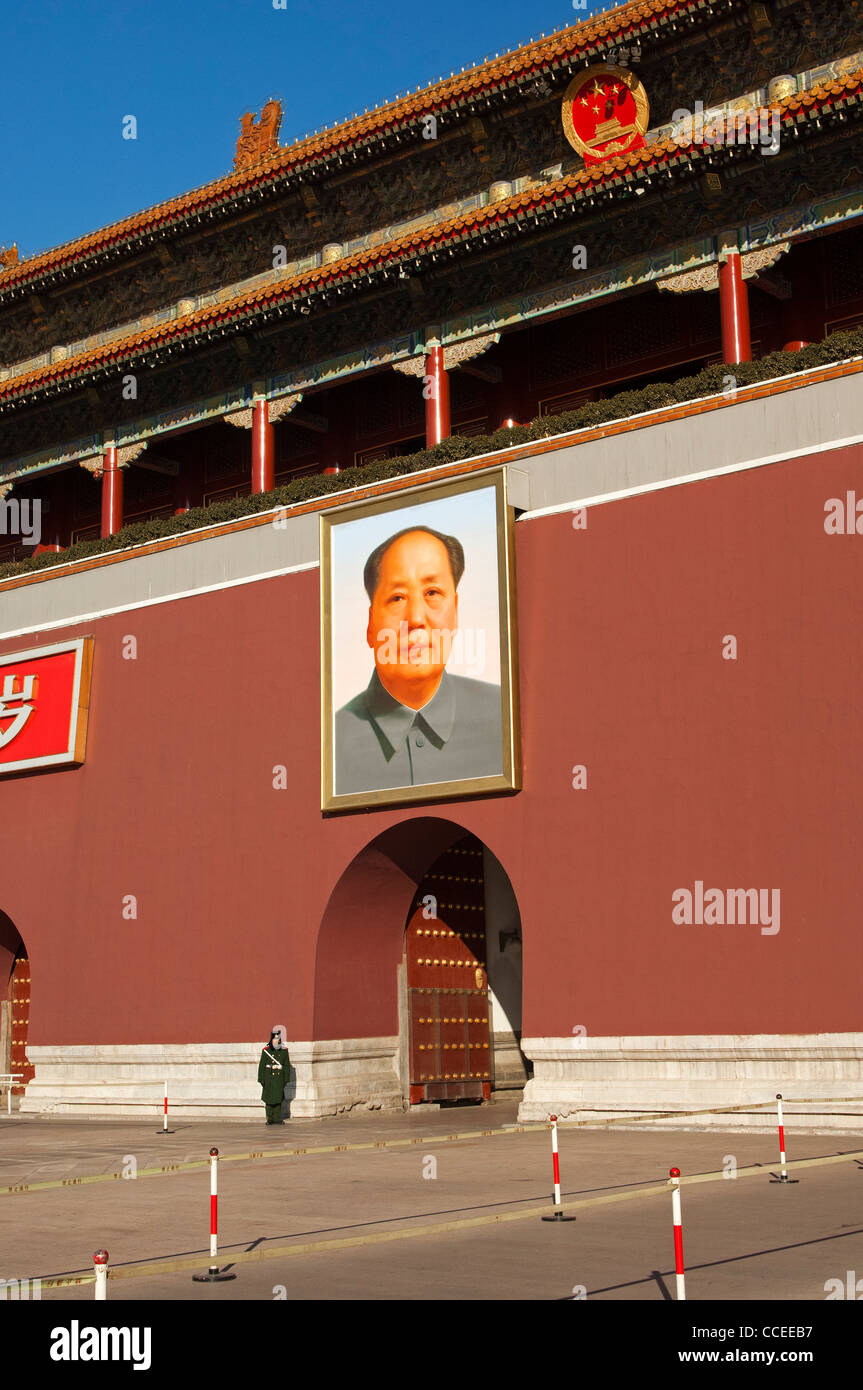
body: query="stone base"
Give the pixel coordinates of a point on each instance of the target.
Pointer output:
(207, 1079)
(210, 1079)
(600, 1078)
(340, 1075)
(510, 1069)
(575, 1078)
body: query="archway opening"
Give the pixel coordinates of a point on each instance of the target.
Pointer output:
(365, 971)
(15, 1069)
(460, 990)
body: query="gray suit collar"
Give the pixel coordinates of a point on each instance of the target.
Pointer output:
(394, 720)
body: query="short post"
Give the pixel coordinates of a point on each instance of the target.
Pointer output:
(213, 1275)
(13, 1077)
(557, 1214)
(783, 1171)
(678, 1234)
(165, 1129)
(214, 1203)
(100, 1269)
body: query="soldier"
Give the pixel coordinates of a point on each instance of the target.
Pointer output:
(273, 1070)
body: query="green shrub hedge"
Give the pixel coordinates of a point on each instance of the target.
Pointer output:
(836, 348)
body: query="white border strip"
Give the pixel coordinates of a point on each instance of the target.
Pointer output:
(97, 613)
(799, 451)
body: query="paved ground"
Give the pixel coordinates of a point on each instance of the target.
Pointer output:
(743, 1238)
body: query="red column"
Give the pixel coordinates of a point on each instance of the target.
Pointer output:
(49, 540)
(734, 309)
(182, 494)
(436, 392)
(263, 460)
(112, 493)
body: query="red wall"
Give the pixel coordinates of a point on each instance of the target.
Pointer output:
(742, 773)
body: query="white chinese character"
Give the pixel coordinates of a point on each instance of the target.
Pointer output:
(21, 711)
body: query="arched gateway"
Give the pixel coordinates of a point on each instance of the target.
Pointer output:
(418, 976)
(14, 1007)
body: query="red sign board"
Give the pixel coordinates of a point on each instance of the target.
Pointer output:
(44, 702)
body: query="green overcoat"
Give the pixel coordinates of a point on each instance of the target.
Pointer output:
(273, 1071)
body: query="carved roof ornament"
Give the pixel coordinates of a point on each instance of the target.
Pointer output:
(127, 453)
(778, 88)
(706, 277)
(5, 488)
(124, 455)
(283, 405)
(240, 419)
(453, 356)
(414, 366)
(8, 256)
(472, 347)
(605, 113)
(753, 262)
(260, 138)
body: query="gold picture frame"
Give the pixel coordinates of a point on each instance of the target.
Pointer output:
(399, 507)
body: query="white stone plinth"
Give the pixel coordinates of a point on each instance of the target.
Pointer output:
(211, 1079)
(203, 1079)
(341, 1074)
(582, 1078)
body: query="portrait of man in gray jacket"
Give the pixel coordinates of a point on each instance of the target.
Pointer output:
(415, 723)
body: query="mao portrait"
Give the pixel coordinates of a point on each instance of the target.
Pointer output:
(417, 648)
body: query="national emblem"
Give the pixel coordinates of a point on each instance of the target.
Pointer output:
(605, 113)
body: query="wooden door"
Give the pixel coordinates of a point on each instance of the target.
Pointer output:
(19, 997)
(448, 1009)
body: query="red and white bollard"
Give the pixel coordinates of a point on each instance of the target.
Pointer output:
(557, 1215)
(678, 1234)
(213, 1275)
(165, 1129)
(783, 1171)
(100, 1269)
(214, 1203)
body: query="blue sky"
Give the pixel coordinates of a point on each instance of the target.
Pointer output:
(187, 71)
